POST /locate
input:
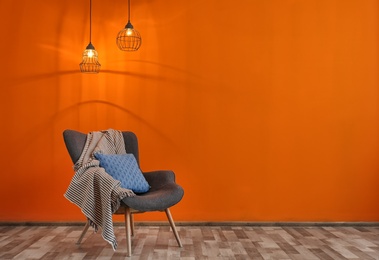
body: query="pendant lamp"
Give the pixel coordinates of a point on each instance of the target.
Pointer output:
(128, 39)
(90, 63)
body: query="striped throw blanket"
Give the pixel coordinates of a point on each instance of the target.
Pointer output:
(94, 191)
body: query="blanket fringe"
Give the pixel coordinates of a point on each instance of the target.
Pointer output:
(121, 193)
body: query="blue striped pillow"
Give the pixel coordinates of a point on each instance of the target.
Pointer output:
(124, 168)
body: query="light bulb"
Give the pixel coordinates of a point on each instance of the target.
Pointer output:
(129, 32)
(90, 53)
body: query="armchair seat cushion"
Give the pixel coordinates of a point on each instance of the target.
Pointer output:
(157, 198)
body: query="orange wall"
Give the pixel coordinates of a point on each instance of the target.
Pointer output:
(266, 110)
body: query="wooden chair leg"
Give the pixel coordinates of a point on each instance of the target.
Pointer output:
(83, 233)
(128, 227)
(132, 224)
(172, 224)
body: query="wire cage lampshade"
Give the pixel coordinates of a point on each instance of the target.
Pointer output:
(128, 39)
(90, 62)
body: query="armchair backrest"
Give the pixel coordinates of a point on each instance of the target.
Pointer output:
(75, 142)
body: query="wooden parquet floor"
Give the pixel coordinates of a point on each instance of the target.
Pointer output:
(199, 242)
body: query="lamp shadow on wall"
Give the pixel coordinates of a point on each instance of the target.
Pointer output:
(41, 129)
(42, 76)
(37, 77)
(134, 74)
(167, 73)
(169, 67)
(135, 116)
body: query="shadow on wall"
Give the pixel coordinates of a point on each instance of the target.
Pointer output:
(123, 109)
(40, 130)
(28, 79)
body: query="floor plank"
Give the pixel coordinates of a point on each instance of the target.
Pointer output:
(199, 242)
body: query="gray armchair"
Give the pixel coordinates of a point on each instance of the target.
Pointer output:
(163, 194)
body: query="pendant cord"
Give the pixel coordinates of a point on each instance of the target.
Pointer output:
(128, 10)
(90, 20)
